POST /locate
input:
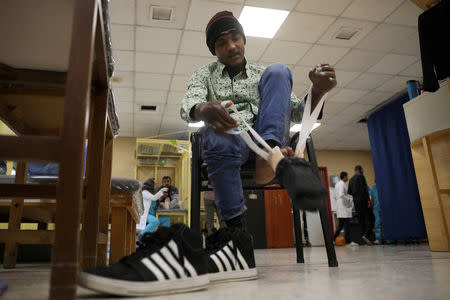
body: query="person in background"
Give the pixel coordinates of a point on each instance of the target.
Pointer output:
(373, 192)
(148, 222)
(210, 207)
(358, 188)
(169, 200)
(344, 207)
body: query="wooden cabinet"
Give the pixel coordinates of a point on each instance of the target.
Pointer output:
(279, 227)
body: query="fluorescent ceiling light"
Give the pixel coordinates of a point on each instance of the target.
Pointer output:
(262, 22)
(298, 127)
(196, 124)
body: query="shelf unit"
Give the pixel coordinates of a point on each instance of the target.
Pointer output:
(158, 157)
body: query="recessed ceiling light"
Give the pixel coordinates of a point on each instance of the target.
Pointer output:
(196, 124)
(262, 22)
(346, 33)
(298, 127)
(161, 13)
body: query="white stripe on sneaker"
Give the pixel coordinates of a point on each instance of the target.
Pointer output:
(227, 250)
(189, 267)
(241, 259)
(225, 260)
(173, 246)
(163, 265)
(217, 262)
(173, 261)
(154, 269)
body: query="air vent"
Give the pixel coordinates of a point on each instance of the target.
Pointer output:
(346, 33)
(160, 13)
(148, 107)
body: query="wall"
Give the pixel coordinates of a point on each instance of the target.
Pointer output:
(337, 161)
(124, 162)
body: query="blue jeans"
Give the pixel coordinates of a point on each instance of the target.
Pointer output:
(226, 153)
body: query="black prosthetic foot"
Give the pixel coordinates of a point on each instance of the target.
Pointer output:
(303, 185)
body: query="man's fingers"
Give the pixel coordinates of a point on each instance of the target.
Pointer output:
(225, 116)
(328, 74)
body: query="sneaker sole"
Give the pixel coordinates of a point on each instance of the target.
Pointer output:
(142, 288)
(237, 275)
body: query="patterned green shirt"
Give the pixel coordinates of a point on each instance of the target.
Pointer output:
(212, 82)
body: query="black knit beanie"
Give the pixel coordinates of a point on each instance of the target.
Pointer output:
(149, 185)
(220, 24)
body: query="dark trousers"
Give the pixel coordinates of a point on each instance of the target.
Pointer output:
(344, 223)
(365, 214)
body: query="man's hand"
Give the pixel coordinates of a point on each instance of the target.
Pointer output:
(323, 78)
(214, 114)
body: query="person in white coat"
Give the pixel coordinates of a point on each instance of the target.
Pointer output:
(344, 206)
(148, 222)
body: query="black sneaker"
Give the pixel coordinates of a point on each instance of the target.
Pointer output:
(230, 256)
(170, 260)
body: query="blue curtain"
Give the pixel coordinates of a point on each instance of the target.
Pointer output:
(400, 206)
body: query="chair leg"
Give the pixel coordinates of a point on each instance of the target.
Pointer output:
(195, 181)
(69, 189)
(104, 209)
(96, 147)
(129, 234)
(15, 218)
(298, 236)
(326, 229)
(118, 234)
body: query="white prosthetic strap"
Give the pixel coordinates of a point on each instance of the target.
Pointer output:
(308, 121)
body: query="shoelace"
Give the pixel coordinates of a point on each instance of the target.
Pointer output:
(308, 121)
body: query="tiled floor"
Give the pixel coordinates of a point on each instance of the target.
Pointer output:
(377, 272)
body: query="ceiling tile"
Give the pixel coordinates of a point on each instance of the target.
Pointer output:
(142, 120)
(157, 39)
(175, 97)
(155, 63)
(301, 27)
(142, 132)
(152, 81)
(124, 94)
(123, 60)
(347, 96)
(326, 7)
(413, 70)
(359, 60)
(194, 43)
(396, 84)
(188, 64)
(393, 64)
(333, 108)
(122, 79)
(375, 98)
(255, 47)
(363, 28)
(372, 10)
(122, 37)
(124, 107)
(125, 118)
(406, 14)
(123, 133)
(388, 37)
(202, 11)
(369, 81)
(179, 13)
(172, 110)
(300, 75)
(279, 4)
(179, 83)
(300, 90)
(121, 11)
(345, 77)
(285, 52)
(323, 54)
(356, 110)
(145, 96)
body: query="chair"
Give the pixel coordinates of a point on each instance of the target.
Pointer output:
(199, 184)
(53, 94)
